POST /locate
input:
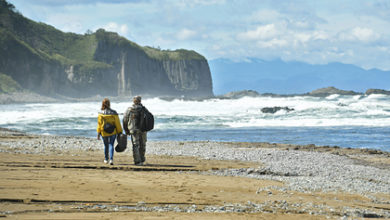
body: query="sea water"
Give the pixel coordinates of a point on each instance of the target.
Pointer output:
(347, 121)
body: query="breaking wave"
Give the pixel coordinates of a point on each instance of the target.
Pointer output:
(218, 116)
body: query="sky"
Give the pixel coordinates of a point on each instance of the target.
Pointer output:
(312, 31)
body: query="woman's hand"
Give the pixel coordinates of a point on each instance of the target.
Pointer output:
(98, 136)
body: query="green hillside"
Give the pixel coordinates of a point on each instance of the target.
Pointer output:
(45, 40)
(172, 55)
(70, 48)
(47, 61)
(8, 85)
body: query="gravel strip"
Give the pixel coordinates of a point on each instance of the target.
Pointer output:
(303, 171)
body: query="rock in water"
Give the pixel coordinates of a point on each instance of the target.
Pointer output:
(377, 91)
(275, 109)
(331, 91)
(240, 94)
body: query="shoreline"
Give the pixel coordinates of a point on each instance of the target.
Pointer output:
(183, 180)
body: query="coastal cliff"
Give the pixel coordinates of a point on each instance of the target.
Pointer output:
(42, 59)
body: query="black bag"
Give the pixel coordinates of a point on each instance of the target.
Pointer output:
(147, 120)
(122, 143)
(108, 127)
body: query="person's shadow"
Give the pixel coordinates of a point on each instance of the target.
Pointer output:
(152, 167)
(167, 165)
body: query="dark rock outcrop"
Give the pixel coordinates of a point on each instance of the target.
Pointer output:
(273, 110)
(377, 91)
(330, 91)
(239, 94)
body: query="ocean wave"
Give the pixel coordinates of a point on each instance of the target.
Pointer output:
(333, 110)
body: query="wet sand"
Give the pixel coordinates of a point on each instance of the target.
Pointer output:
(74, 183)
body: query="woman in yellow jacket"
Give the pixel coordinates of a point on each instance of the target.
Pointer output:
(108, 127)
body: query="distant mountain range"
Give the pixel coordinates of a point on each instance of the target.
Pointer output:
(280, 77)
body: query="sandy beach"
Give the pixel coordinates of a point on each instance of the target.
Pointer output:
(58, 177)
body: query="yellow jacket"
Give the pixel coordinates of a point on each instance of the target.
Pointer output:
(108, 116)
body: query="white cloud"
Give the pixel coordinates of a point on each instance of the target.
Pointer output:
(194, 3)
(185, 34)
(208, 2)
(364, 34)
(303, 37)
(359, 34)
(66, 23)
(302, 24)
(282, 36)
(260, 33)
(265, 16)
(122, 29)
(320, 35)
(272, 43)
(160, 41)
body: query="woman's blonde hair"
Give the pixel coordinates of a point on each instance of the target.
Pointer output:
(105, 104)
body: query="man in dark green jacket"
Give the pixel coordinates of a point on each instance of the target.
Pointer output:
(131, 125)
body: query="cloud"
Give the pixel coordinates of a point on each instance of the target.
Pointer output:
(265, 16)
(320, 35)
(378, 8)
(281, 36)
(359, 34)
(260, 33)
(122, 29)
(185, 34)
(67, 23)
(208, 2)
(195, 3)
(272, 43)
(364, 34)
(61, 3)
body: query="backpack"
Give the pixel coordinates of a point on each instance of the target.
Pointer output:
(147, 120)
(108, 127)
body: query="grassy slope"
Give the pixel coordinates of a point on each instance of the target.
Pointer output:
(179, 54)
(70, 48)
(52, 45)
(8, 85)
(151, 52)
